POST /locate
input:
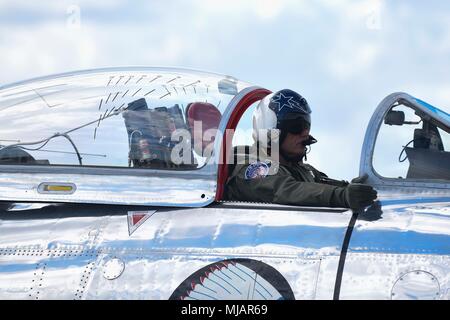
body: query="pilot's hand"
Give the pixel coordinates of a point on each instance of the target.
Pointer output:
(360, 179)
(359, 195)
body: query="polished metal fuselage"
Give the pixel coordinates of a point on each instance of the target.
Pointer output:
(63, 251)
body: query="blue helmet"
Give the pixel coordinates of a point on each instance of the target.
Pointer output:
(282, 112)
(289, 105)
(292, 111)
(285, 110)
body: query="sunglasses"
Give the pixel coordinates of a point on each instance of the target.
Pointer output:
(294, 126)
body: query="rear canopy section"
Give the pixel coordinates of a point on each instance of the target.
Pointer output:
(120, 136)
(407, 144)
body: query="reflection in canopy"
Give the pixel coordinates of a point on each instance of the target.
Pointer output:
(113, 118)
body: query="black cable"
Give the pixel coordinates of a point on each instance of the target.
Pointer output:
(345, 244)
(65, 135)
(36, 149)
(403, 150)
(45, 142)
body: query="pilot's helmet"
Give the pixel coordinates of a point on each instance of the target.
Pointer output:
(285, 111)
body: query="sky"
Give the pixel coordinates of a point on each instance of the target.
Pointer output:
(343, 56)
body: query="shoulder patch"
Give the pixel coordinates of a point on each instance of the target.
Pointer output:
(256, 170)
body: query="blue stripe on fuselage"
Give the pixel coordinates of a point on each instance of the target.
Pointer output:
(414, 201)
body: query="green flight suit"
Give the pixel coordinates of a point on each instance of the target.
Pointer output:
(298, 184)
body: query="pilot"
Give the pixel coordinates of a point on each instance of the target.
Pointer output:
(289, 180)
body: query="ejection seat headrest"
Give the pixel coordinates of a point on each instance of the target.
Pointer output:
(208, 115)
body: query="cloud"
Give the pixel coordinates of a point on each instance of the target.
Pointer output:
(52, 49)
(346, 61)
